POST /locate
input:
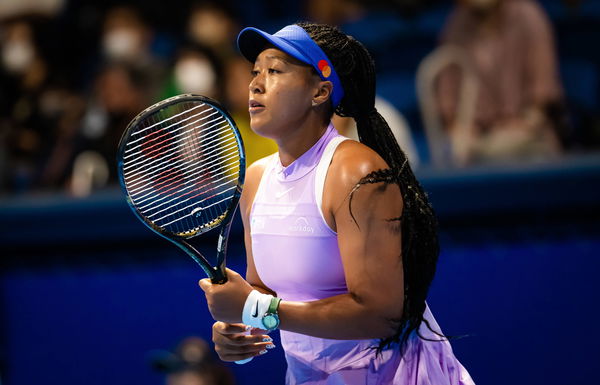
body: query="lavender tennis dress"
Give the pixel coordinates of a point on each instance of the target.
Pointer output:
(296, 254)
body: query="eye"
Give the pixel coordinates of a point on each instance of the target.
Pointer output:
(274, 71)
(254, 73)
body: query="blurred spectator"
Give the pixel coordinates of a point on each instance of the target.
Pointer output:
(130, 78)
(509, 50)
(11, 8)
(38, 117)
(334, 12)
(196, 70)
(397, 123)
(23, 74)
(213, 25)
(127, 39)
(192, 363)
(118, 96)
(237, 75)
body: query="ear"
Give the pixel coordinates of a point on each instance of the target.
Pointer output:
(323, 93)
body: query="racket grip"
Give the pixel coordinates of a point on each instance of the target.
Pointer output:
(242, 362)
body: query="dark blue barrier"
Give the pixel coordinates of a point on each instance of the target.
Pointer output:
(87, 291)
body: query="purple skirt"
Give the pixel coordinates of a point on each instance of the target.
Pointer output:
(322, 361)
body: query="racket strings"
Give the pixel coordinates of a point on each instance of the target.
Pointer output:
(206, 191)
(151, 181)
(206, 186)
(163, 188)
(167, 159)
(146, 141)
(183, 172)
(134, 179)
(184, 136)
(160, 122)
(176, 208)
(157, 122)
(156, 148)
(190, 171)
(197, 209)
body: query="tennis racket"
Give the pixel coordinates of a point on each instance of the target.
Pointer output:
(181, 165)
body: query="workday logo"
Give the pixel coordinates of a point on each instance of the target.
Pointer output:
(301, 225)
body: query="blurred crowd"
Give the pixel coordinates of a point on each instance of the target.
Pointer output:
(192, 362)
(66, 99)
(74, 73)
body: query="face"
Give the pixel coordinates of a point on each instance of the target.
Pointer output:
(125, 36)
(117, 92)
(18, 50)
(210, 26)
(281, 93)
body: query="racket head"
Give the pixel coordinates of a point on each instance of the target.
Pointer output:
(181, 165)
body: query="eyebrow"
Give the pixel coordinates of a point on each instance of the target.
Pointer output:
(276, 57)
(292, 60)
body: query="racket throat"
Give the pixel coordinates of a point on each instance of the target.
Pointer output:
(217, 274)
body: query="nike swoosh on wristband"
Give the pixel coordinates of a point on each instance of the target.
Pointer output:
(255, 314)
(282, 193)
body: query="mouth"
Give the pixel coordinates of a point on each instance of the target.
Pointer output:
(254, 106)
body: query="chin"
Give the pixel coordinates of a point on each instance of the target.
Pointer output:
(261, 129)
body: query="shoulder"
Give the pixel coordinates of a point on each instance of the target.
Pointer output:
(255, 170)
(352, 161)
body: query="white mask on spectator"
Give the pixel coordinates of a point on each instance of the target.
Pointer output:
(195, 76)
(121, 44)
(17, 56)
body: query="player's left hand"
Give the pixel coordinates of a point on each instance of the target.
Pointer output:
(226, 301)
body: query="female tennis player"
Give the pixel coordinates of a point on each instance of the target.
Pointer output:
(341, 240)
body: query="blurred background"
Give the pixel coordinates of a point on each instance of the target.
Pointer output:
(496, 103)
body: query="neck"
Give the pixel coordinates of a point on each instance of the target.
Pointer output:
(299, 140)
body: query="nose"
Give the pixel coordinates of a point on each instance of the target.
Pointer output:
(257, 85)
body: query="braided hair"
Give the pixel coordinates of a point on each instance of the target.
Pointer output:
(420, 248)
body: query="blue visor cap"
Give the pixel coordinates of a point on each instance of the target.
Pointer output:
(296, 42)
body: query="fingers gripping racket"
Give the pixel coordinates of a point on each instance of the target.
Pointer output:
(181, 165)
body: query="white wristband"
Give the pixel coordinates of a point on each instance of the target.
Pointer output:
(255, 308)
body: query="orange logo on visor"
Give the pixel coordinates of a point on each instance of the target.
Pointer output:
(325, 68)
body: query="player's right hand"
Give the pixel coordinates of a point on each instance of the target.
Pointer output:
(233, 343)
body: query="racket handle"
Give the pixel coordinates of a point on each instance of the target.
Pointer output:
(242, 362)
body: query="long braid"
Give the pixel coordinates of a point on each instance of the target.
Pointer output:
(420, 248)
